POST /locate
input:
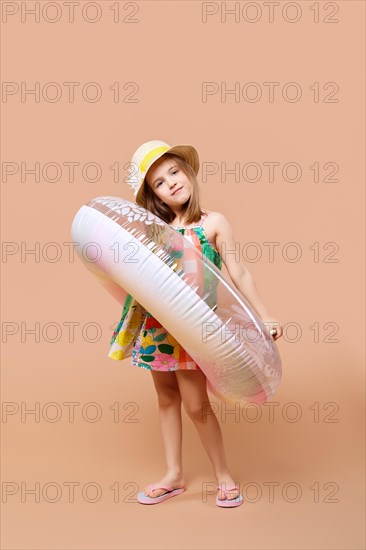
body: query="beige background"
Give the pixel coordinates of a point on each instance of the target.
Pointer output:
(169, 52)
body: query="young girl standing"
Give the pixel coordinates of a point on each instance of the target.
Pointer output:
(165, 182)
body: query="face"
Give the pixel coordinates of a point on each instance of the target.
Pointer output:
(169, 183)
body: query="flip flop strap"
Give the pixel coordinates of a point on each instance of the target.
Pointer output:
(167, 487)
(228, 490)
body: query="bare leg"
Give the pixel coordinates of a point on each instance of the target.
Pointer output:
(192, 385)
(170, 416)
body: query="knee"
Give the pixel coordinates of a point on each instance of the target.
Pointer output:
(194, 409)
(169, 397)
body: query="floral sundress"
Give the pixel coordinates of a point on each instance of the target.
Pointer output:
(140, 335)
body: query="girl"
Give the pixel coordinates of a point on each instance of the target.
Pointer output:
(165, 182)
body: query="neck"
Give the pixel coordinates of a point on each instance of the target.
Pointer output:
(179, 216)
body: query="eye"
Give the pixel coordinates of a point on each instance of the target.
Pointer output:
(174, 172)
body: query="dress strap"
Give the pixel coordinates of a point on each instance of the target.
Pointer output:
(203, 219)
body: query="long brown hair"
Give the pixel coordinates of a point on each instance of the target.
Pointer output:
(191, 209)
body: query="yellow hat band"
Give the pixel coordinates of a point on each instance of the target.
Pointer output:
(150, 155)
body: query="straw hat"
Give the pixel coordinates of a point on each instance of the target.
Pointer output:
(151, 151)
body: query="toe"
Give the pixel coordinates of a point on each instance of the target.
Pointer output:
(154, 493)
(229, 495)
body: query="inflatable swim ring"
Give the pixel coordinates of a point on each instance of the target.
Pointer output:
(132, 251)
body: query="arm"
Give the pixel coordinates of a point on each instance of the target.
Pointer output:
(238, 271)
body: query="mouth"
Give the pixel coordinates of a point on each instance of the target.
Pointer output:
(176, 191)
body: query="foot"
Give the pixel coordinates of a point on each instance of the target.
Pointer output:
(226, 483)
(177, 482)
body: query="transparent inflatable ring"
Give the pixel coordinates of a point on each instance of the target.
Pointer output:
(132, 251)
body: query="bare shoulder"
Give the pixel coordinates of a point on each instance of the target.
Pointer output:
(215, 216)
(217, 222)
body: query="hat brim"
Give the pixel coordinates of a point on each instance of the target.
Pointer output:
(188, 153)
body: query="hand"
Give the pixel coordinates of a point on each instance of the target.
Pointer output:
(273, 324)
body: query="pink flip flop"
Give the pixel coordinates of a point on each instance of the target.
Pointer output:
(144, 499)
(229, 503)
